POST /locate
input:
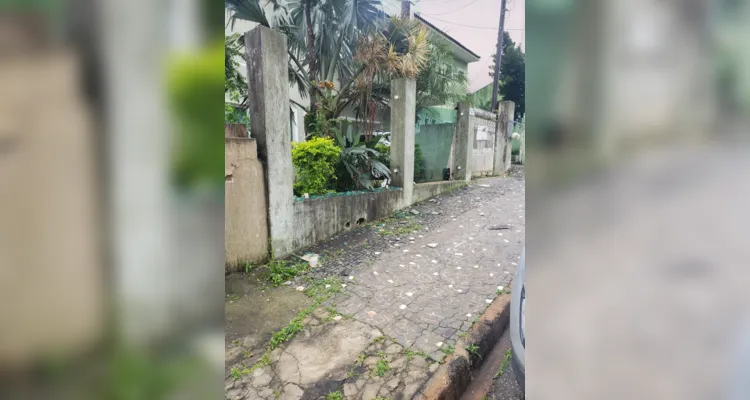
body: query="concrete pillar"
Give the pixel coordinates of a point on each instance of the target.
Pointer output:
(269, 124)
(464, 145)
(503, 132)
(403, 121)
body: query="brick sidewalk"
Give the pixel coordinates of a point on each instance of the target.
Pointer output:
(408, 303)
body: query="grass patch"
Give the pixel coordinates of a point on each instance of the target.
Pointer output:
(506, 361)
(337, 395)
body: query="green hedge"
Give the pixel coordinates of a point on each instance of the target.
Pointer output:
(315, 166)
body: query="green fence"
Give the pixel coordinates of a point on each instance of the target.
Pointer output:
(435, 143)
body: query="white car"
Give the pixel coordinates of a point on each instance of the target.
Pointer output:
(518, 322)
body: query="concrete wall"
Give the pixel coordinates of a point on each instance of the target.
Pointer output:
(316, 220)
(246, 219)
(424, 191)
(483, 124)
(435, 142)
(462, 145)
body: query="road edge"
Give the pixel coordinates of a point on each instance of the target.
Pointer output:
(453, 377)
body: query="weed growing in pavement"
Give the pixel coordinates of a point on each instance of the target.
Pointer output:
(448, 350)
(232, 297)
(236, 373)
(335, 396)
(472, 349)
(411, 353)
(499, 292)
(360, 359)
(322, 289)
(351, 374)
(288, 332)
(382, 367)
(378, 339)
(506, 360)
(409, 227)
(380, 354)
(248, 267)
(381, 398)
(280, 271)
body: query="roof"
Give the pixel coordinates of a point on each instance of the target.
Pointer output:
(461, 51)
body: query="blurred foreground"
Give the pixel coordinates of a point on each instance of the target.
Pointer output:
(111, 200)
(637, 179)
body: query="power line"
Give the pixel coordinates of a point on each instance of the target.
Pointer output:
(459, 8)
(471, 26)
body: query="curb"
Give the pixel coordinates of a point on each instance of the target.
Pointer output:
(453, 377)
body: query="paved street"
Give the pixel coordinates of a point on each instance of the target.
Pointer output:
(410, 286)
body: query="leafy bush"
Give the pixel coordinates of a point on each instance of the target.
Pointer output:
(384, 154)
(420, 167)
(236, 115)
(315, 166)
(360, 161)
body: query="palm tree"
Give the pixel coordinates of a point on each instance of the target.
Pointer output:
(352, 41)
(321, 34)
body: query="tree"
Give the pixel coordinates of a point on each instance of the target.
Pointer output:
(235, 84)
(352, 41)
(441, 81)
(512, 75)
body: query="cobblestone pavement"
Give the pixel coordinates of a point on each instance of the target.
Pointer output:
(425, 290)
(413, 284)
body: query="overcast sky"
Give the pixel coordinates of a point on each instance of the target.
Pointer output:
(474, 23)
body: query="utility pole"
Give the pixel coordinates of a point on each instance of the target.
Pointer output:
(498, 57)
(406, 9)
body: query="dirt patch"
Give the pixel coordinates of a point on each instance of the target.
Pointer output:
(253, 312)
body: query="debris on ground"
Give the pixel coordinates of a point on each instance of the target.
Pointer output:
(499, 227)
(432, 245)
(312, 259)
(484, 186)
(415, 212)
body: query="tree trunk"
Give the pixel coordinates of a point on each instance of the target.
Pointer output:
(311, 55)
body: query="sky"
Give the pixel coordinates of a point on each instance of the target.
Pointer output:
(474, 23)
